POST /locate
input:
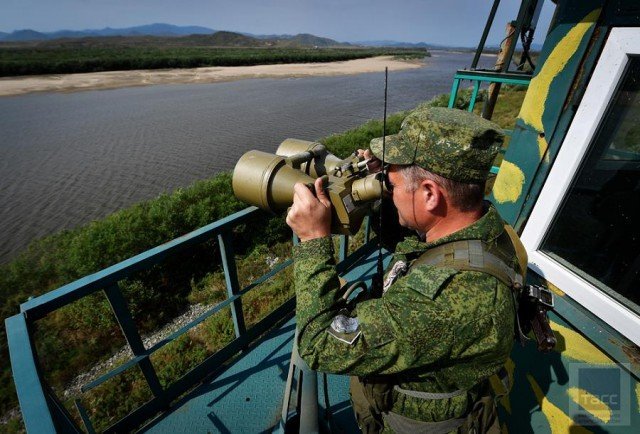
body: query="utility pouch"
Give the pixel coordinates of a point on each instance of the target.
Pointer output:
(369, 420)
(379, 393)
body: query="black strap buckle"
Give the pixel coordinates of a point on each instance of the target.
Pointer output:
(541, 294)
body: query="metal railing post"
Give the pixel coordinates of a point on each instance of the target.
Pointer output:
(130, 331)
(33, 402)
(474, 95)
(306, 394)
(454, 92)
(231, 278)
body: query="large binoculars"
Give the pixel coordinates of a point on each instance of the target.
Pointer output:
(266, 181)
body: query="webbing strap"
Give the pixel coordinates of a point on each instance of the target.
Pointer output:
(428, 395)
(521, 252)
(403, 425)
(469, 255)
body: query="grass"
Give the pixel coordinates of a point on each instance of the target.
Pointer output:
(75, 338)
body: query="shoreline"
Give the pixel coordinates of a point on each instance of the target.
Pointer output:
(12, 86)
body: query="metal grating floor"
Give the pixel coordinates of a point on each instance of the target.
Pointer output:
(247, 397)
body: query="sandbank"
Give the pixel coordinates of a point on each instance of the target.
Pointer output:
(117, 79)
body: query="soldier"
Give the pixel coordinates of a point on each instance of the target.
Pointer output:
(422, 354)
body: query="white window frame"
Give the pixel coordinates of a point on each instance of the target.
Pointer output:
(621, 43)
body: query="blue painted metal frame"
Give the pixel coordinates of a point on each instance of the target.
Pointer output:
(40, 306)
(478, 77)
(33, 402)
(41, 408)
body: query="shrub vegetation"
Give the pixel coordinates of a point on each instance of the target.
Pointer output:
(63, 60)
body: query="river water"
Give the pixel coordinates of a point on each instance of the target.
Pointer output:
(67, 159)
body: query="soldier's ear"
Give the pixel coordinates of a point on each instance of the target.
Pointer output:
(432, 194)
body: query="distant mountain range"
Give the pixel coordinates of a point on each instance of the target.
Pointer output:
(169, 30)
(222, 38)
(157, 29)
(387, 43)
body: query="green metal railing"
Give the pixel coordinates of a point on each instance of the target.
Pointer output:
(478, 77)
(43, 412)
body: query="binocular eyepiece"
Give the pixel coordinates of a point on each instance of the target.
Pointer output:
(266, 181)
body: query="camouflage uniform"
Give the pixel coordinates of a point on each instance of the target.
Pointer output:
(435, 329)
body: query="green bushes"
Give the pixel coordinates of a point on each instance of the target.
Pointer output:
(462, 99)
(62, 60)
(345, 143)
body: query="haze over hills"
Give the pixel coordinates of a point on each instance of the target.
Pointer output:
(157, 29)
(172, 31)
(171, 35)
(218, 39)
(388, 43)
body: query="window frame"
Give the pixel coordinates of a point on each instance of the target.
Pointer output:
(621, 44)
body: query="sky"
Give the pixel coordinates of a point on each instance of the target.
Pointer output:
(449, 22)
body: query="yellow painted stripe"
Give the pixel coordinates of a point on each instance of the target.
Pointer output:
(591, 403)
(510, 180)
(575, 346)
(559, 422)
(554, 289)
(536, 99)
(542, 146)
(638, 396)
(509, 183)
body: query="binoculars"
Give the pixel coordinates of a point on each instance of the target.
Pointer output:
(266, 181)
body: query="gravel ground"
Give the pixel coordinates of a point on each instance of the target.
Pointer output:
(150, 340)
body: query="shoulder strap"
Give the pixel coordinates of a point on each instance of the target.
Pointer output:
(471, 255)
(521, 252)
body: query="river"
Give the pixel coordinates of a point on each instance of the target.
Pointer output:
(67, 159)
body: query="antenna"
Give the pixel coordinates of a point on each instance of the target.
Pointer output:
(380, 270)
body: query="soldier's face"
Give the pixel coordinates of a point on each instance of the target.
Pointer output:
(410, 214)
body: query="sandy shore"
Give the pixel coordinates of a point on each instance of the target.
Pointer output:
(117, 79)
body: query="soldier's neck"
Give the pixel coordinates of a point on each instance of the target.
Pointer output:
(454, 221)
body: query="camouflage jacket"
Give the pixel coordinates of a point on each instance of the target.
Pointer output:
(435, 329)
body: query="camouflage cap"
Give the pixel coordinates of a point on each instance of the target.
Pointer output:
(452, 143)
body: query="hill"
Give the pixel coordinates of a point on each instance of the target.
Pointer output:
(24, 35)
(162, 34)
(388, 43)
(156, 29)
(217, 39)
(306, 39)
(225, 39)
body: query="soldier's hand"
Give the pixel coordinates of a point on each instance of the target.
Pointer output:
(374, 165)
(310, 216)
